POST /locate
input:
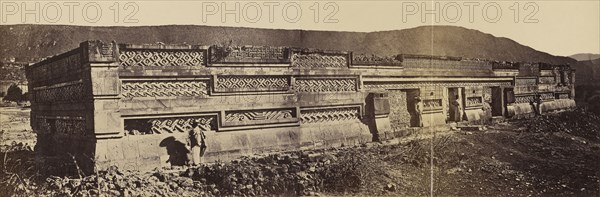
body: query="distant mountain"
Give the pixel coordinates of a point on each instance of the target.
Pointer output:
(587, 72)
(32, 42)
(585, 56)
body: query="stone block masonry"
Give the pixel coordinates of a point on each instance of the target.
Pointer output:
(131, 105)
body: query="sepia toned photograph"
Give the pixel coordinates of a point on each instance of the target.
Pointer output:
(299, 98)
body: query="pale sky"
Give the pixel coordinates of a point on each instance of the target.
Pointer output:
(554, 26)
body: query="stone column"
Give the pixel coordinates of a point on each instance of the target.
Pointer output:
(102, 60)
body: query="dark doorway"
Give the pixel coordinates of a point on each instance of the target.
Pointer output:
(497, 106)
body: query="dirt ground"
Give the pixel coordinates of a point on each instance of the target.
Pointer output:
(517, 158)
(14, 127)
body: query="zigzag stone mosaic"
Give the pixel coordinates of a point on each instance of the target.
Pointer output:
(325, 85)
(161, 58)
(329, 114)
(130, 89)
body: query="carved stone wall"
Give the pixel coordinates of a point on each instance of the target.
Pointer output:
(68, 92)
(432, 105)
(149, 88)
(318, 115)
(462, 65)
(525, 85)
(251, 83)
(56, 68)
(412, 85)
(259, 116)
(317, 60)
(160, 125)
(547, 96)
(524, 99)
(563, 96)
(249, 54)
(373, 60)
(473, 102)
(275, 98)
(325, 85)
(73, 126)
(149, 57)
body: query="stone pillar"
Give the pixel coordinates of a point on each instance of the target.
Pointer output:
(572, 83)
(503, 101)
(102, 60)
(381, 116)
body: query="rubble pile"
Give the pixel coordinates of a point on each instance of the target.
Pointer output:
(577, 122)
(306, 173)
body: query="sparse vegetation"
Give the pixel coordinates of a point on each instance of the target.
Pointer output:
(554, 154)
(14, 93)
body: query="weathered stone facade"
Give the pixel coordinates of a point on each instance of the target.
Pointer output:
(132, 105)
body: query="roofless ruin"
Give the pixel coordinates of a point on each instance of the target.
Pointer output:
(132, 105)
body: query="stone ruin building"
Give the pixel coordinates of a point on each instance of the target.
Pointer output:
(131, 105)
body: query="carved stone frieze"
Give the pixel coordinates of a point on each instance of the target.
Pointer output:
(259, 115)
(131, 89)
(146, 57)
(413, 85)
(251, 83)
(63, 125)
(316, 60)
(168, 124)
(70, 92)
(249, 54)
(329, 114)
(325, 85)
(369, 60)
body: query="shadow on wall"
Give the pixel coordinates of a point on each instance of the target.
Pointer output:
(178, 153)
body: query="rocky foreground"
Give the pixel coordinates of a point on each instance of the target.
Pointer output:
(554, 154)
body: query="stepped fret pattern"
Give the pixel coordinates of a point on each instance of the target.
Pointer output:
(161, 58)
(329, 114)
(163, 88)
(67, 93)
(258, 115)
(252, 83)
(325, 85)
(316, 60)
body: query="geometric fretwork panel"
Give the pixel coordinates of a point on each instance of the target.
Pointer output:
(259, 115)
(251, 83)
(161, 58)
(525, 85)
(168, 125)
(67, 93)
(475, 101)
(130, 89)
(325, 85)
(317, 60)
(524, 99)
(71, 125)
(329, 114)
(392, 85)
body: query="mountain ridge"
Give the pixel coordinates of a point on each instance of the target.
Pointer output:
(585, 56)
(31, 43)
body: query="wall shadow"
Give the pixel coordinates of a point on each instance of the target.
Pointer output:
(178, 152)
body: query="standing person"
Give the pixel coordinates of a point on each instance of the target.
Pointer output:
(537, 104)
(455, 110)
(197, 143)
(419, 111)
